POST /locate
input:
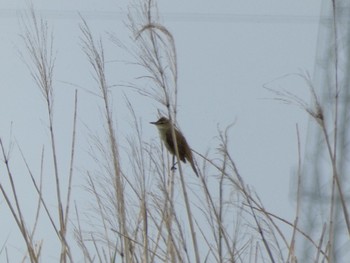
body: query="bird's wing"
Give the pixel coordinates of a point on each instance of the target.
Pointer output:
(180, 144)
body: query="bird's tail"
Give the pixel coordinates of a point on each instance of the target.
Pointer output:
(193, 166)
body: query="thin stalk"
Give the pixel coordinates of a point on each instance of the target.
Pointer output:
(16, 211)
(72, 157)
(291, 252)
(333, 157)
(186, 199)
(95, 54)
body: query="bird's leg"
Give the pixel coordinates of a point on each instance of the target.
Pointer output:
(174, 163)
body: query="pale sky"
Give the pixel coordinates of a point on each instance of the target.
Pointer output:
(227, 51)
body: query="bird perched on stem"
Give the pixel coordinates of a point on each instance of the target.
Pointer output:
(185, 153)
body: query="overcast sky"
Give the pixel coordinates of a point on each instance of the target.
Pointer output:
(227, 51)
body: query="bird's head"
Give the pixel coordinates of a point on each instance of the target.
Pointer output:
(162, 123)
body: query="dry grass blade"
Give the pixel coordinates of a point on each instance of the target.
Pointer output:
(95, 54)
(39, 43)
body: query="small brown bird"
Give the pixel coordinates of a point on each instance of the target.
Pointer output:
(185, 153)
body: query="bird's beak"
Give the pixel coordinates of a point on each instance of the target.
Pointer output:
(153, 122)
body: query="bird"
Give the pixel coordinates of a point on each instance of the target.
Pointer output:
(185, 153)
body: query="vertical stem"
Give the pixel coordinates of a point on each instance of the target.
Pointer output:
(95, 54)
